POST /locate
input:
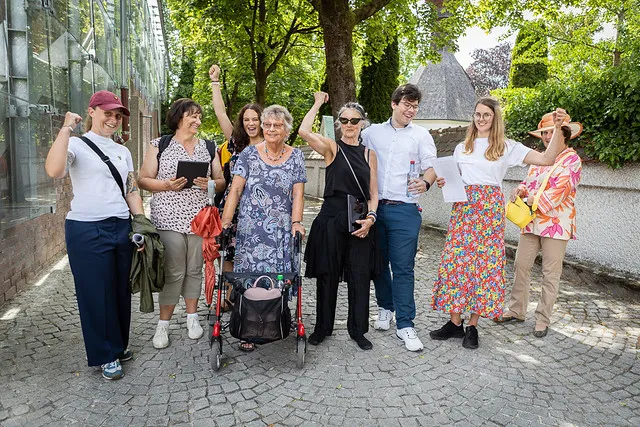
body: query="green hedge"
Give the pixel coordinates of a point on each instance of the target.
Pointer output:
(608, 106)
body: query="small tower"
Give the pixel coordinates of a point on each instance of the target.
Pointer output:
(448, 96)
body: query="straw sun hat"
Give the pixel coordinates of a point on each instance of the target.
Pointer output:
(547, 124)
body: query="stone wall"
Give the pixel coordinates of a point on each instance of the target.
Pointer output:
(27, 248)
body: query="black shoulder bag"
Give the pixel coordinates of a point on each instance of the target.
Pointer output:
(107, 160)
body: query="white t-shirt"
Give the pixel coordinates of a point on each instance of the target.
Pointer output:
(96, 195)
(477, 170)
(395, 148)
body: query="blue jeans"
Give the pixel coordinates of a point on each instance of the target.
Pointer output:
(100, 258)
(397, 229)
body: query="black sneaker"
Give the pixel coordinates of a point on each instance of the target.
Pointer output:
(470, 338)
(316, 338)
(126, 356)
(449, 330)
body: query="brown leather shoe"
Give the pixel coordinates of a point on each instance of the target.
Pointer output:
(507, 318)
(542, 333)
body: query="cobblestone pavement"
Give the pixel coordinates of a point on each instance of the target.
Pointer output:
(585, 372)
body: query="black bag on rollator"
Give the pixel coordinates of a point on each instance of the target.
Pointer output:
(260, 315)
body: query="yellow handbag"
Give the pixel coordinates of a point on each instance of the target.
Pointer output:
(519, 212)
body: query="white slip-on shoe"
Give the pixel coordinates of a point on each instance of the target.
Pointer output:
(410, 338)
(194, 328)
(161, 337)
(384, 320)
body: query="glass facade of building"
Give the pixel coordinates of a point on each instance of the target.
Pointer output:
(53, 55)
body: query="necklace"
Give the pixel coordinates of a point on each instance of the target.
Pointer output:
(266, 152)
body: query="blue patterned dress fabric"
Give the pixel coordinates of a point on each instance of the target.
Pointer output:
(263, 240)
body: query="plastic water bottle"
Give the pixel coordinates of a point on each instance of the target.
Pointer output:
(280, 281)
(413, 174)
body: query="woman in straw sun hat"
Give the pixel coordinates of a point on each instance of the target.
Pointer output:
(550, 231)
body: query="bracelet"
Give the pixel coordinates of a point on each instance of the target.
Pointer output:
(296, 222)
(427, 184)
(215, 82)
(373, 218)
(70, 127)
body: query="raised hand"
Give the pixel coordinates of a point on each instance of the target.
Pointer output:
(559, 116)
(321, 97)
(71, 120)
(214, 73)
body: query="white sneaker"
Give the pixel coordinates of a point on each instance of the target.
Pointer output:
(410, 338)
(384, 320)
(195, 330)
(161, 337)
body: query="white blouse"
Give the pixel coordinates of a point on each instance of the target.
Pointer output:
(477, 170)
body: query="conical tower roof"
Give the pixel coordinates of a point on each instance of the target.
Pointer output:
(447, 91)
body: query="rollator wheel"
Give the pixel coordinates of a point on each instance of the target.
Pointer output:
(216, 354)
(301, 349)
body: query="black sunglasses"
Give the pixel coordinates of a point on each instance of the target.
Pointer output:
(353, 121)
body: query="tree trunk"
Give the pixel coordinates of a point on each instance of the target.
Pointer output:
(337, 22)
(619, 28)
(261, 58)
(261, 79)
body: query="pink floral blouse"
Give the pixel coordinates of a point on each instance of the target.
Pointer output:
(556, 214)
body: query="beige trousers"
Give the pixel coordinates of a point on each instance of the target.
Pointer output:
(182, 266)
(552, 256)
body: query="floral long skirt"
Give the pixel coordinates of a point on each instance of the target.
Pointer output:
(471, 276)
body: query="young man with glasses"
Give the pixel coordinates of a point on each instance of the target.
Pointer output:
(399, 143)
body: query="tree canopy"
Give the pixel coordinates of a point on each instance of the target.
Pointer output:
(267, 46)
(490, 68)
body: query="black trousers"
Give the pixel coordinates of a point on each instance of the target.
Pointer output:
(357, 274)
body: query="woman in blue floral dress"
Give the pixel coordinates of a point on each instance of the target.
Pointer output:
(268, 182)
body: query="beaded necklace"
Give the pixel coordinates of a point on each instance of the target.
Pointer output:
(266, 152)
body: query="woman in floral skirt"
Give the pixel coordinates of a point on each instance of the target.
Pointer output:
(471, 275)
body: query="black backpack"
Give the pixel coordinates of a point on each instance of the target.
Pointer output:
(212, 148)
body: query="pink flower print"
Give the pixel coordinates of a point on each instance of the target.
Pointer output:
(553, 182)
(575, 176)
(553, 229)
(532, 186)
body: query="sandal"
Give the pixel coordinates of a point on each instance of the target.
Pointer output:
(246, 346)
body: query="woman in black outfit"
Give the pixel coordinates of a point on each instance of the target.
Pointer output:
(334, 254)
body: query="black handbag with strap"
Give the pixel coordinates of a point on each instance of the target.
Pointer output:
(107, 161)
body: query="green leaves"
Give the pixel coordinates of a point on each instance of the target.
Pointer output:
(608, 106)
